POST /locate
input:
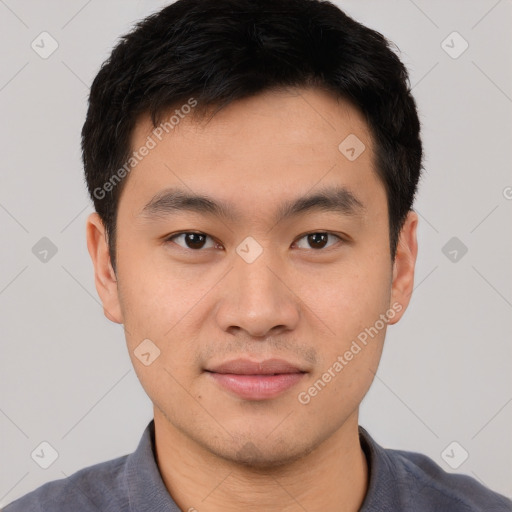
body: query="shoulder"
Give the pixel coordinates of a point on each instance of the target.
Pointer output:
(427, 486)
(405, 480)
(98, 487)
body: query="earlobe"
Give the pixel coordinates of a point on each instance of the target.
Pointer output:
(404, 264)
(104, 276)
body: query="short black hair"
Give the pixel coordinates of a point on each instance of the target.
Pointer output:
(219, 51)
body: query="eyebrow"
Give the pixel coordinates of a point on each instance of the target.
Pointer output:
(337, 199)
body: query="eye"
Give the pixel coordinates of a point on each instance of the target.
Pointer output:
(196, 241)
(317, 240)
(191, 240)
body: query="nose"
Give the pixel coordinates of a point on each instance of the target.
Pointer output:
(257, 298)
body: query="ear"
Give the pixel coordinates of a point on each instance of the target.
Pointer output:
(403, 266)
(104, 276)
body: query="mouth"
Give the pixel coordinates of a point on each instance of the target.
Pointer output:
(253, 380)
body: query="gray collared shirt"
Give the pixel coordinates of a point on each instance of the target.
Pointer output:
(398, 480)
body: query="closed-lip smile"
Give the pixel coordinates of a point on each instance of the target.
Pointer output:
(256, 380)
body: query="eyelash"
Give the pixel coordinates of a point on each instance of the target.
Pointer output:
(170, 239)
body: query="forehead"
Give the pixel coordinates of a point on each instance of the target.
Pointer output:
(255, 149)
(302, 111)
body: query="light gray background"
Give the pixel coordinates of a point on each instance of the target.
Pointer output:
(445, 376)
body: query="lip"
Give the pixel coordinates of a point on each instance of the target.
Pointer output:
(243, 366)
(256, 380)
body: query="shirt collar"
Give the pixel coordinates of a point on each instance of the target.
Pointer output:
(383, 493)
(146, 489)
(147, 492)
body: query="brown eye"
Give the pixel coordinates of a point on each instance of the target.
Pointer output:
(191, 240)
(317, 240)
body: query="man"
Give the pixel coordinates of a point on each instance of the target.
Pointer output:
(253, 166)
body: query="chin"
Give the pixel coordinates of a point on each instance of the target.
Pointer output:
(262, 455)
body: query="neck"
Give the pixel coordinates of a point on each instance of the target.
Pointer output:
(333, 476)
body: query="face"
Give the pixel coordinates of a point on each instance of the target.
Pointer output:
(264, 308)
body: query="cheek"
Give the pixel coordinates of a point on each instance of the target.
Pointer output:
(354, 301)
(350, 297)
(160, 306)
(153, 297)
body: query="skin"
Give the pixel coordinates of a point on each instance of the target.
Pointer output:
(203, 306)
